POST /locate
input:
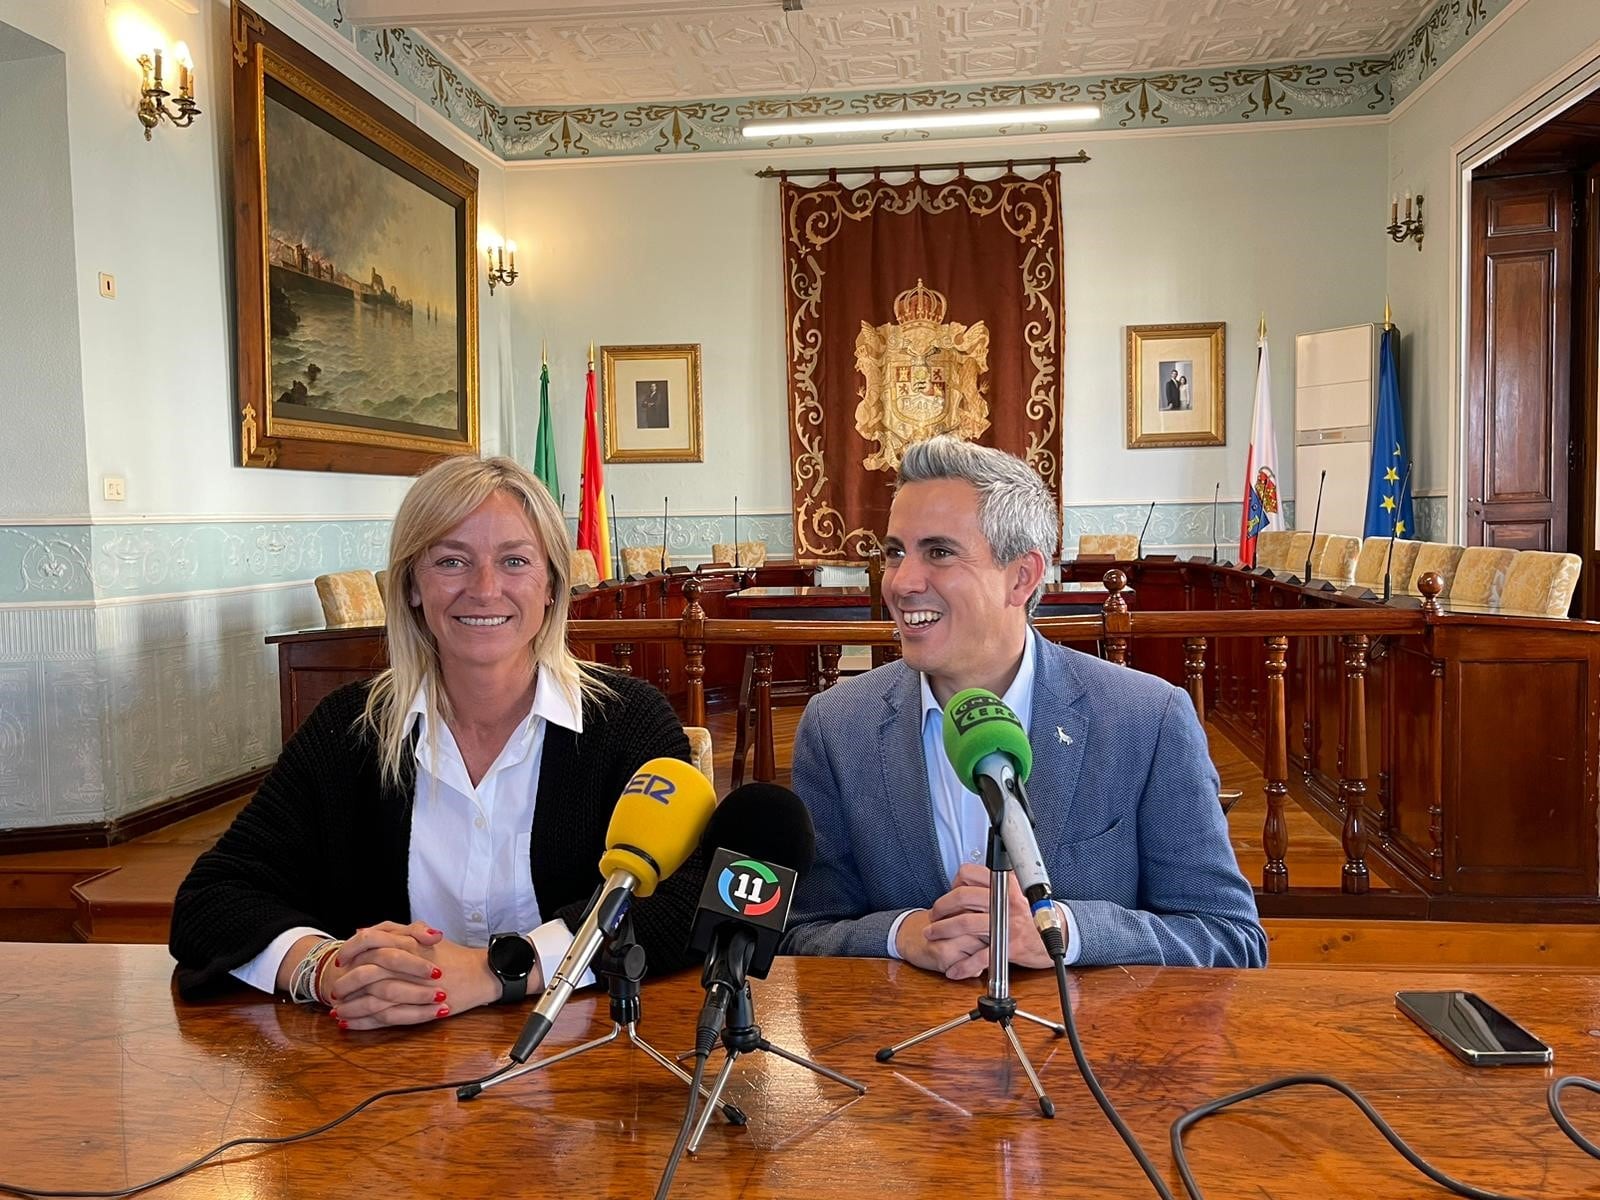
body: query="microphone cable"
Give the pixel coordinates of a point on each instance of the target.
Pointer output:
(1055, 944)
(234, 1143)
(705, 1037)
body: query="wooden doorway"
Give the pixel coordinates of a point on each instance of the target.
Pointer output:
(1533, 351)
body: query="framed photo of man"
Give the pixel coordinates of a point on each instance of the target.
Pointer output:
(1175, 385)
(651, 397)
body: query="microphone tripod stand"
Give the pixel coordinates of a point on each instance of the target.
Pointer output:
(621, 963)
(997, 1004)
(741, 1035)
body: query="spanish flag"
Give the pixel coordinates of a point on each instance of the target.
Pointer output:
(594, 525)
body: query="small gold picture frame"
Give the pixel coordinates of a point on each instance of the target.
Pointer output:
(1176, 391)
(652, 404)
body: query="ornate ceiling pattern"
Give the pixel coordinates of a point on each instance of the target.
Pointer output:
(630, 78)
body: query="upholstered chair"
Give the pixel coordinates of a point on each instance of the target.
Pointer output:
(583, 572)
(350, 598)
(1272, 547)
(1438, 557)
(1121, 546)
(1375, 555)
(1481, 575)
(700, 757)
(751, 554)
(1542, 582)
(1294, 561)
(641, 560)
(380, 577)
(1338, 560)
(1319, 543)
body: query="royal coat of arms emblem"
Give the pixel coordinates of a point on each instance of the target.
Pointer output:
(920, 377)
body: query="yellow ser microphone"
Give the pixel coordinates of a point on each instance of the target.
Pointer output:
(656, 826)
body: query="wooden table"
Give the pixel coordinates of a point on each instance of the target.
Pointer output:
(107, 1080)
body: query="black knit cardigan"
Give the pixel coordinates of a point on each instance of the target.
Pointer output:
(323, 844)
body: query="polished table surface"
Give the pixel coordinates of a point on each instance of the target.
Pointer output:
(105, 1080)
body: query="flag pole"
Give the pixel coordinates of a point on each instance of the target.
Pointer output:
(1388, 319)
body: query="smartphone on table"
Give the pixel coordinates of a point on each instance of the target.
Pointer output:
(1472, 1029)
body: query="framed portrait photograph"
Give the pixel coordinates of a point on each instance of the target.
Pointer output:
(355, 269)
(1175, 385)
(651, 397)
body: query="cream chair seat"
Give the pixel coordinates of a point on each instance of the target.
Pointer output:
(350, 598)
(1338, 561)
(1481, 575)
(1120, 546)
(751, 554)
(700, 755)
(583, 572)
(1375, 557)
(1541, 581)
(642, 560)
(1294, 562)
(1438, 557)
(1272, 547)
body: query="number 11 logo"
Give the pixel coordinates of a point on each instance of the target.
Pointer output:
(749, 888)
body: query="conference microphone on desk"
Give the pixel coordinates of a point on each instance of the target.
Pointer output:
(1138, 551)
(760, 841)
(988, 748)
(654, 828)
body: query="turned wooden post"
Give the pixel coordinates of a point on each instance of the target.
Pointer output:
(624, 653)
(1431, 585)
(766, 760)
(1115, 616)
(1354, 879)
(694, 651)
(830, 666)
(1194, 673)
(1275, 834)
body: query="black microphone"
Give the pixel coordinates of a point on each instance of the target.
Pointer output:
(1214, 496)
(1394, 528)
(761, 842)
(663, 533)
(736, 533)
(1138, 551)
(1316, 517)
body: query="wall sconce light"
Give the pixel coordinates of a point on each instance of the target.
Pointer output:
(1411, 227)
(502, 265)
(153, 94)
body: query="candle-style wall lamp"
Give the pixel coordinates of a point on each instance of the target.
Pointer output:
(1408, 228)
(153, 93)
(502, 265)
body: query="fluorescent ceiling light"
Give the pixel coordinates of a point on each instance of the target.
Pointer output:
(964, 119)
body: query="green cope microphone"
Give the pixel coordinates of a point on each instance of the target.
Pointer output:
(988, 748)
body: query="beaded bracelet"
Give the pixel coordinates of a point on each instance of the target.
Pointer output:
(308, 972)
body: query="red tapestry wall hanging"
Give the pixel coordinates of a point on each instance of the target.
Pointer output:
(915, 309)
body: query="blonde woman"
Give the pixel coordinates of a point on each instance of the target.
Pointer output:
(428, 841)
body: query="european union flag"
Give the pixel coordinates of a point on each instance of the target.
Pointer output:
(1389, 489)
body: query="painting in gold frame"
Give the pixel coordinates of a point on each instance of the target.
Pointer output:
(355, 271)
(1176, 386)
(652, 404)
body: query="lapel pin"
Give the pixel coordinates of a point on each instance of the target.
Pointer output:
(1063, 736)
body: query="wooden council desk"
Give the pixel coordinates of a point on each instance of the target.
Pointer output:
(108, 1080)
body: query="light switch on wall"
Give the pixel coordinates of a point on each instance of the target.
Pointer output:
(116, 488)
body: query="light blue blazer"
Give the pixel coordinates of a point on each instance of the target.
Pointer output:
(1124, 800)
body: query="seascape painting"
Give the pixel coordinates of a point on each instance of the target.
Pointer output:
(362, 260)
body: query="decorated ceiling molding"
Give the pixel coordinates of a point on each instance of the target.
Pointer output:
(531, 80)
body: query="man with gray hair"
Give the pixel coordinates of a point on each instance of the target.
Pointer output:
(1123, 791)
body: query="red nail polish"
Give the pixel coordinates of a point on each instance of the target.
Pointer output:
(444, 1010)
(439, 997)
(435, 933)
(338, 962)
(436, 973)
(334, 1013)
(344, 1024)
